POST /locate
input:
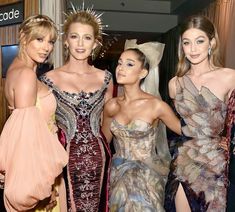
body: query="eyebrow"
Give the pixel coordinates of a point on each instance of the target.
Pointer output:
(127, 60)
(201, 36)
(78, 33)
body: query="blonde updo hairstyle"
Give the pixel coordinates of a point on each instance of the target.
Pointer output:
(204, 24)
(87, 18)
(34, 27)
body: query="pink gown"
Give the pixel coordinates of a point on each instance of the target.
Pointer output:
(31, 157)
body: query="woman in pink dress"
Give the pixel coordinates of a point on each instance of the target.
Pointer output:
(31, 157)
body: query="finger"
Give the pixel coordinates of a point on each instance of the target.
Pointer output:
(51, 205)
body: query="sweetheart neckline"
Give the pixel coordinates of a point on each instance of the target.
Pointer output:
(131, 122)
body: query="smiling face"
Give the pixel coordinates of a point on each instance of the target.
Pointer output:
(130, 69)
(195, 44)
(37, 35)
(80, 41)
(38, 49)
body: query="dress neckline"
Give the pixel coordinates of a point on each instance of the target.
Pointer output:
(78, 93)
(131, 122)
(200, 90)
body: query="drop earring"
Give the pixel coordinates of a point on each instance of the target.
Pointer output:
(93, 55)
(209, 51)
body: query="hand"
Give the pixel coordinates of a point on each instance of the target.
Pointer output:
(52, 203)
(224, 144)
(2, 181)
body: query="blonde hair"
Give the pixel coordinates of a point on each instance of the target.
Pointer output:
(87, 18)
(204, 24)
(34, 27)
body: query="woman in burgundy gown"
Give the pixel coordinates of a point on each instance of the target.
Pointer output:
(81, 91)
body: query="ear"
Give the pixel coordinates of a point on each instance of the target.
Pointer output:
(95, 44)
(212, 43)
(66, 44)
(143, 73)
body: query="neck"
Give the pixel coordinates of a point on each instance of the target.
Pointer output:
(201, 68)
(131, 92)
(78, 66)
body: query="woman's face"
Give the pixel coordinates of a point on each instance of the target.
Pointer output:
(195, 44)
(129, 69)
(80, 41)
(39, 48)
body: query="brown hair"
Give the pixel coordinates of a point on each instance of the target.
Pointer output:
(34, 27)
(141, 57)
(204, 24)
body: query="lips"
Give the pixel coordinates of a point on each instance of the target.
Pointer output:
(43, 56)
(195, 56)
(121, 75)
(80, 50)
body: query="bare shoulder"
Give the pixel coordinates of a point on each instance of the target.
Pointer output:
(21, 87)
(157, 107)
(112, 103)
(112, 106)
(225, 74)
(23, 76)
(172, 87)
(100, 74)
(152, 102)
(159, 104)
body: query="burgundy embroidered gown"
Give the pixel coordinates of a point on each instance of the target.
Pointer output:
(78, 117)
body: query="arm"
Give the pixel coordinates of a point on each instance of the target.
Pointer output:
(172, 87)
(167, 115)
(111, 108)
(231, 82)
(25, 90)
(107, 119)
(109, 93)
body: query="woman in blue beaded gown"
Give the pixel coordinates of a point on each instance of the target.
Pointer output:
(81, 91)
(139, 168)
(198, 176)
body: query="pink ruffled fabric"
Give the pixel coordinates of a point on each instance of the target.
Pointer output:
(31, 158)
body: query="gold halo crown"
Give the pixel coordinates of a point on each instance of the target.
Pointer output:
(91, 12)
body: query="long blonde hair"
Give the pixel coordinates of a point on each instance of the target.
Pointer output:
(204, 24)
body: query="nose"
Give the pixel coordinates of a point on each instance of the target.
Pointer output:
(119, 67)
(193, 47)
(80, 42)
(46, 47)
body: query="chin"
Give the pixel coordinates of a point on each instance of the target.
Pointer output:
(40, 61)
(80, 57)
(121, 82)
(197, 61)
